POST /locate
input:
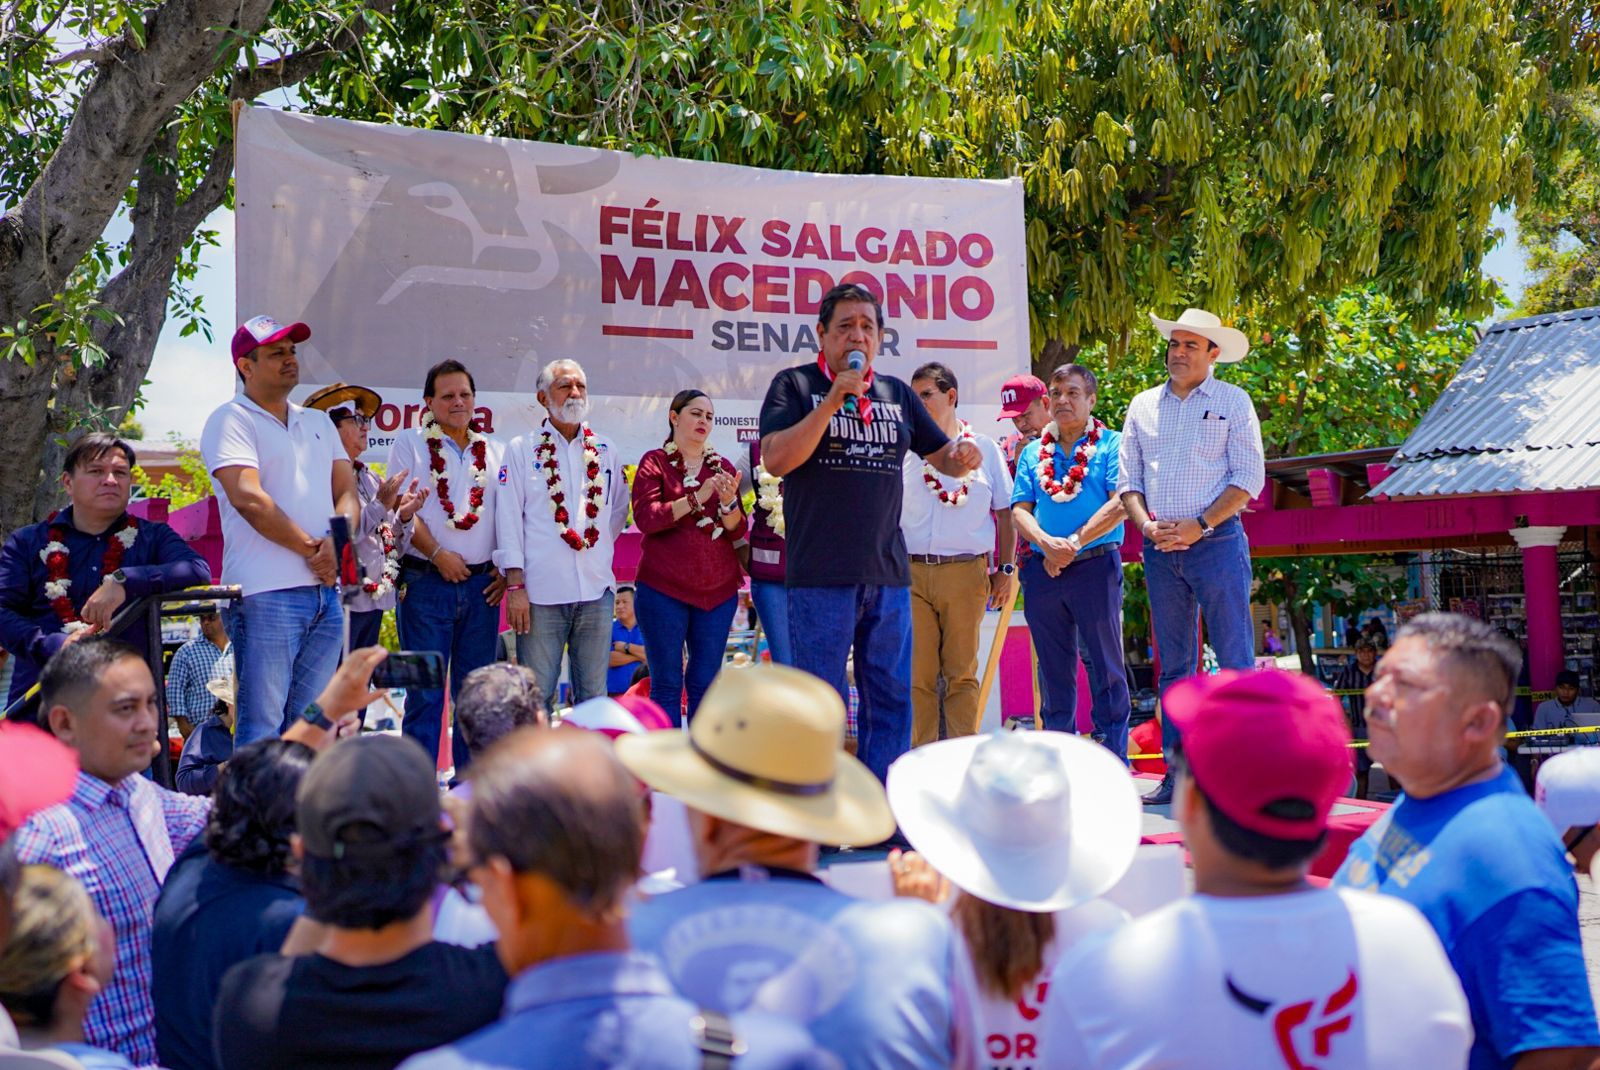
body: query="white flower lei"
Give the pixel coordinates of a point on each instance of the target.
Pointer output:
(1065, 491)
(691, 480)
(389, 542)
(930, 476)
(479, 469)
(54, 589)
(544, 459)
(769, 496)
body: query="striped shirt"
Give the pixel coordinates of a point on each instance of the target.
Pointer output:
(92, 837)
(1181, 454)
(192, 667)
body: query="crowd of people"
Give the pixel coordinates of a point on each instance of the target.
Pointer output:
(661, 881)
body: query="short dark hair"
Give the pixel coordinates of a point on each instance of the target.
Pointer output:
(93, 445)
(1269, 851)
(253, 806)
(680, 401)
(942, 376)
(495, 700)
(74, 671)
(847, 291)
(1474, 646)
(375, 889)
(447, 367)
(1569, 678)
(1067, 371)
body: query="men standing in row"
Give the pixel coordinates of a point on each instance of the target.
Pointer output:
(68, 575)
(1066, 505)
(1191, 461)
(282, 474)
(448, 587)
(837, 433)
(563, 502)
(950, 524)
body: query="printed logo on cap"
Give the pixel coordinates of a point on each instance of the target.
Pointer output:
(1007, 396)
(262, 327)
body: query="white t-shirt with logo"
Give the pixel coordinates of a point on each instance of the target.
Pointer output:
(1330, 979)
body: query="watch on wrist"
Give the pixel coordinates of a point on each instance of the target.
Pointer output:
(1074, 542)
(117, 577)
(1006, 569)
(313, 715)
(1205, 529)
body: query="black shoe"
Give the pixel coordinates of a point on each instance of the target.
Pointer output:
(1162, 796)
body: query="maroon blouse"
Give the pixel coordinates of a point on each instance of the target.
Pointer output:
(676, 557)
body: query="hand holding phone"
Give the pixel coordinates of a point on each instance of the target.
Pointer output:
(414, 670)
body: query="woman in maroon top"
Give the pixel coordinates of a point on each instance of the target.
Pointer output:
(686, 502)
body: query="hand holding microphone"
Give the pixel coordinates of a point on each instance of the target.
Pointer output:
(852, 381)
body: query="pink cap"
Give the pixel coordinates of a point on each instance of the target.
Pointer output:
(1018, 393)
(52, 773)
(1251, 739)
(264, 330)
(620, 716)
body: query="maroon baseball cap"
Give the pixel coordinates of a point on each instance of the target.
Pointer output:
(1018, 393)
(1252, 739)
(264, 330)
(52, 773)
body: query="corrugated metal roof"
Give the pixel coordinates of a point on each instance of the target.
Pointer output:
(1522, 414)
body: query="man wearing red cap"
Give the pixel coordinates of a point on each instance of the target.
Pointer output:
(1024, 400)
(1260, 968)
(283, 472)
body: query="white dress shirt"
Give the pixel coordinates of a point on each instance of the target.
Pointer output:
(1182, 453)
(528, 538)
(410, 452)
(932, 527)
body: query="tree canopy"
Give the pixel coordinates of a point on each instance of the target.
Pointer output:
(1560, 229)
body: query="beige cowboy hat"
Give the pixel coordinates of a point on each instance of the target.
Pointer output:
(363, 400)
(223, 684)
(765, 751)
(1231, 341)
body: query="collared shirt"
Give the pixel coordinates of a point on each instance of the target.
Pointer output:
(92, 837)
(529, 539)
(159, 560)
(1552, 714)
(1181, 454)
(192, 668)
(294, 463)
(1060, 519)
(931, 527)
(369, 550)
(410, 453)
(607, 1009)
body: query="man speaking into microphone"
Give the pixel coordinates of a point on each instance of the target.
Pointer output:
(837, 432)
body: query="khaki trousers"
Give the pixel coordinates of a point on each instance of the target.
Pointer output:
(947, 603)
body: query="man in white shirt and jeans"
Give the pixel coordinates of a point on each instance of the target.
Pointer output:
(1258, 967)
(282, 473)
(563, 500)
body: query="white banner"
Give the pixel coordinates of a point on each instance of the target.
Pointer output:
(401, 248)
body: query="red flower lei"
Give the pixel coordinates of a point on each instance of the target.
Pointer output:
(56, 557)
(479, 449)
(1058, 490)
(930, 476)
(706, 518)
(544, 456)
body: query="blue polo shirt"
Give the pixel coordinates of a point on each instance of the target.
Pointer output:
(1063, 518)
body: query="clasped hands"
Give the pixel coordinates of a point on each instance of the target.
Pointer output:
(1171, 535)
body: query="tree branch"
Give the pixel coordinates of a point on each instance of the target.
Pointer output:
(296, 67)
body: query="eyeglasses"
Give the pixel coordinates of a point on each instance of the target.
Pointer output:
(360, 421)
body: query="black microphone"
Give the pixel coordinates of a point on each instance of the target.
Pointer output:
(857, 360)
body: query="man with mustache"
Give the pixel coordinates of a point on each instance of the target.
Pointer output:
(562, 502)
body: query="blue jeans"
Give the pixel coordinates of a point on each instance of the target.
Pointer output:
(825, 623)
(772, 608)
(667, 625)
(1083, 606)
(286, 645)
(582, 631)
(453, 619)
(1211, 579)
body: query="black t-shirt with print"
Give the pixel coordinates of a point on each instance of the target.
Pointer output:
(841, 508)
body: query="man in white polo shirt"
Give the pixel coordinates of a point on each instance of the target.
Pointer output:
(449, 590)
(283, 473)
(563, 502)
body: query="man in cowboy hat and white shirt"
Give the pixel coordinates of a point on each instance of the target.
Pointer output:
(1191, 461)
(879, 984)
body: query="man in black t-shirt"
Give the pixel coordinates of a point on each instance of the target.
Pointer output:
(838, 436)
(370, 986)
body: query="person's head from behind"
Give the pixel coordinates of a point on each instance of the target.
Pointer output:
(59, 956)
(1265, 756)
(98, 697)
(850, 317)
(370, 837)
(555, 842)
(98, 474)
(1437, 706)
(1567, 683)
(253, 807)
(495, 700)
(623, 607)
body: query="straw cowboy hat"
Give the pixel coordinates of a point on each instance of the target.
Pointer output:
(1232, 342)
(363, 400)
(765, 751)
(223, 686)
(1034, 821)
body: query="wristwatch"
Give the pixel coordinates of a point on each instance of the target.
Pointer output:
(1074, 542)
(118, 576)
(313, 715)
(1205, 529)
(1006, 570)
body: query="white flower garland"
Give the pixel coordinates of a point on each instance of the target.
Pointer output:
(56, 590)
(389, 542)
(544, 457)
(930, 476)
(769, 496)
(478, 449)
(692, 481)
(1058, 490)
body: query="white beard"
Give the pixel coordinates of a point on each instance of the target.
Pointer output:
(573, 411)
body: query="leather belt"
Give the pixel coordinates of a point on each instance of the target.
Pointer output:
(1098, 551)
(943, 559)
(423, 565)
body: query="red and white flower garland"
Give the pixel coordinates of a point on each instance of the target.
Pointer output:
(389, 543)
(1059, 490)
(478, 447)
(692, 482)
(930, 476)
(544, 456)
(56, 558)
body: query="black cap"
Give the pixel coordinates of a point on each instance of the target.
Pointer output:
(371, 796)
(1568, 677)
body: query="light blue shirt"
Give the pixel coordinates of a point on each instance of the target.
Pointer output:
(1182, 453)
(1061, 519)
(608, 1010)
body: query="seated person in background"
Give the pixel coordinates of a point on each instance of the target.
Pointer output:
(1568, 709)
(229, 897)
(57, 960)
(210, 744)
(556, 841)
(627, 645)
(368, 986)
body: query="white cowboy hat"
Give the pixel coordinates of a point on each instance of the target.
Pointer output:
(1231, 341)
(765, 750)
(1034, 821)
(223, 686)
